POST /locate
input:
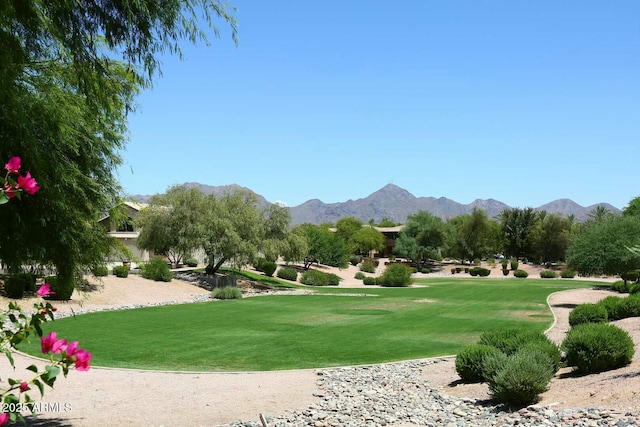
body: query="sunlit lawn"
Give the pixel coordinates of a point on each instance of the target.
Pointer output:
(305, 331)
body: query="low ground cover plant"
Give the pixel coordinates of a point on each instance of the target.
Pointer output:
(597, 347)
(227, 292)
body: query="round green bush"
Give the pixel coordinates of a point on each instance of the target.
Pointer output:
(396, 275)
(520, 274)
(620, 286)
(548, 274)
(191, 262)
(268, 268)
(479, 271)
(628, 307)
(492, 364)
(355, 259)
(121, 271)
(634, 289)
(367, 267)
(63, 289)
(333, 279)
(510, 340)
(425, 270)
(369, 281)
(523, 378)
(613, 306)
(14, 287)
(287, 273)
(469, 362)
(100, 271)
(567, 273)
(360, 275)
(227, 292)
(156, 269)
(597, 347)
(588, 313)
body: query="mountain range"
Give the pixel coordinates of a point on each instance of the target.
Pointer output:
(396, 204)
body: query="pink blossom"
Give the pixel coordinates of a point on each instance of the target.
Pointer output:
(59, 346)
(13, 165)
(45, 290)
(4, 417)
(46, 343)
(83, 358)
(28, 184)
(24, 386)
(71, 349)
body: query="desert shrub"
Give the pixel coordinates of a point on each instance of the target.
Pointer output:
(288, 273)
(314, 278)
(491, 262)
(453, 271)
(156, 269)
(513, 263)
(191, 262)
(567, 273)
(548, 347)
(630, 276)
(634, 289)
(477, 262)
(360, 275)
(628, 307)
(425, 270)
(396, 275)
(101, 270)
(613, 307)
(510, 340)
(597, 347)
(121, 271)
(373, 261)
(588, 313)
(63, 289)
(548, 274)
(466, 269)
(620, 286)
(479, 271)
(369, 281)
(520, 274)
(355, 259)
(504, 263)
(333, 279)
(268, 267)
(226, 292)
(259, 263)
(14, 287)
(505, 272)
(493, 363)
(470, 360)
(367, 267)
(458, 269)
(523, 378)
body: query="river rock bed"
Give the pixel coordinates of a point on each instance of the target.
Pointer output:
(396, 394)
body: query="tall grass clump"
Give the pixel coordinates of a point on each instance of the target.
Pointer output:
(227, 292)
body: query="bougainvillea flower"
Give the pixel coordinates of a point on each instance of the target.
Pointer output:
(13, 165)
(24, 386)
(28, 184)
(83, 359)
(45, 290)
(59, 346)
(46, 343)
(4, 418)
(71, 348)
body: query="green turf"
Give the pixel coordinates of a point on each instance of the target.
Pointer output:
(287, 332)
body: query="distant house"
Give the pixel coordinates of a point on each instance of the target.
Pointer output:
(390, 235)
(126, 232)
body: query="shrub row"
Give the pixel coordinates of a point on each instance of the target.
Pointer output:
(318, 278)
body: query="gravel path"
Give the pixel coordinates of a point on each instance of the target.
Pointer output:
(422, 392)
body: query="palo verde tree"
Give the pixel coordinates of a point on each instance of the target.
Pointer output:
(69, 74)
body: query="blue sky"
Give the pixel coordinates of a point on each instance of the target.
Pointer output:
(524, 102)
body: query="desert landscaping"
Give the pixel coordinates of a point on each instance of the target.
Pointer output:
(104, 396)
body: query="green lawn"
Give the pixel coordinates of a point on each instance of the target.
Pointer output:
(287, 332)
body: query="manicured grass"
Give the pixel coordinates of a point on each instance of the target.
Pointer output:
(286, 332)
